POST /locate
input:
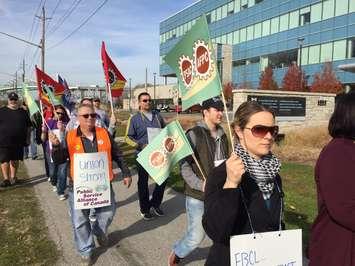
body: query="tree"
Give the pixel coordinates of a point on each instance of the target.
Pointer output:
(326, 81)
(228, 92)
(267, 81)
(294, 79)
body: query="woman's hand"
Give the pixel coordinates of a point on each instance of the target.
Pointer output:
(235, 170)
(53, 139)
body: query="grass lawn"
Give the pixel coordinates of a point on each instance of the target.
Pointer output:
(23, 233)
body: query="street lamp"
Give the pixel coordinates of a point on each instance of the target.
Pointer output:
(300, 43)
(154, 88)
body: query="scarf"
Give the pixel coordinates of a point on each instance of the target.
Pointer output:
(263, 171)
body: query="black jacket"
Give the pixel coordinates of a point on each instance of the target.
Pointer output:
(225, 214)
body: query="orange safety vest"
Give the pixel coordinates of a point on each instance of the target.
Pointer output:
(75, 146)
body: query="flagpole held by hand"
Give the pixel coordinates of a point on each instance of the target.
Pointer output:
(110, 96)
(226, 112)
(198, 166)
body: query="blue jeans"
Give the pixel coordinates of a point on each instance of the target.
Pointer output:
(195, 232)
(83, 231)
(32, 147)
(58, 175)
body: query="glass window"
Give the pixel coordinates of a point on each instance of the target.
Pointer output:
(219, 39)
(257, 30)
(304, 58)
(351, 6)
(339, 50)
(316, 12)
(189, 25)
(305, 16)
(236, 6)
(266, 27)
(230, 38)
(230, 8)
(224, 38)
(341, 7)
(243, 35)
(326, 52)
(251, 3)
(351, 49)
(224, 11)
(213, 15)
(264, 62)
(250, 33)
(274, 25)
(284, 22)
(219, 13)
(313, 54)
(208, 18)
(236, 37)
(294, 19)
(243, 4)
(328, 9)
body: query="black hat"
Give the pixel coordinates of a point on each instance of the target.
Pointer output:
(215, 102)
(96, 99)
(12, 95)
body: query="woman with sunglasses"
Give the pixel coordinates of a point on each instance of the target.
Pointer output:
(244, 194)
(332, 240)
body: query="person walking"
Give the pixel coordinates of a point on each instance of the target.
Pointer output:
(332, 240)
(250, 175)
(15, 128)
(141, 128)
(210, 145)
(88, 138)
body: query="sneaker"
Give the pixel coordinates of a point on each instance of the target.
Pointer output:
(92, 218)
(62, 197)
(147, 216)
(54, 188)
(157, 211)
(5, 183)
(85, 260)
(102, 240)
(173, 259)
(34, 157)
(49, 179)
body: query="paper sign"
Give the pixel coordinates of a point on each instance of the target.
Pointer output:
(267, 249)
(152, 133)
(91, 180)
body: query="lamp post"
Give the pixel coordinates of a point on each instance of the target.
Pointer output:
(154, 74)
(300, 43)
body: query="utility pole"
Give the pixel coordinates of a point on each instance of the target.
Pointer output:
(23, 70)
(16, 80)
(146, 79)
(154, 102)
(42, 46)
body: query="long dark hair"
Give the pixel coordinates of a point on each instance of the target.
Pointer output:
(342, 121)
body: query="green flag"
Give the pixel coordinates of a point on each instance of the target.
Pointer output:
(166, 149)
(32, 105)
(193, 61)
(54, 100)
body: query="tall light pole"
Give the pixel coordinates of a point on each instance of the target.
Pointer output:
(154, 88)
(300, 43)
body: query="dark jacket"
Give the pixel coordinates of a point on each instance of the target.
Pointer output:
(332, 241)
(225, 214)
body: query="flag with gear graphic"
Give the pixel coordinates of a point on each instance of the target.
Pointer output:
(193, 61)
(166, 149)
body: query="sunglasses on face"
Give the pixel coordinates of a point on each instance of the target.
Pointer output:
(86, 116)
(13, 99)
(146, 100)
(59, 113)
(260, 131)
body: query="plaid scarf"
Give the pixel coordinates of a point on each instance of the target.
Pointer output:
(263, 171)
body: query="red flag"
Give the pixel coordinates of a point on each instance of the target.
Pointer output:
(112, 75)
(44, 83)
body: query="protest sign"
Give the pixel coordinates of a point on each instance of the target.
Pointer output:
(91, 180)
(278, 248)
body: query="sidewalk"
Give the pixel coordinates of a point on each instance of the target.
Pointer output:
(132, 240)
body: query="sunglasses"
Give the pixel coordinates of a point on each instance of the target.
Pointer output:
(13, 99)
(260, 131)
(146, 100)
(86, 116)
(59, 113)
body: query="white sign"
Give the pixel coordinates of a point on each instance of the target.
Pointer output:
(267, 249)
(152, 133)
(91, 180)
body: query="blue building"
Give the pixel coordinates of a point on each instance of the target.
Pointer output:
(271, 32)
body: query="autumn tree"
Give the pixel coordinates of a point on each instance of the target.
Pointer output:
(228, 92)
(294, 79)
(267, 81)
(326, 81)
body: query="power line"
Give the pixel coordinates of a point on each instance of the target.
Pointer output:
(54, 10)
(81, 25)
(65, 16)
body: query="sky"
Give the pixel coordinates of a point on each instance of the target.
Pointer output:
(130, 29)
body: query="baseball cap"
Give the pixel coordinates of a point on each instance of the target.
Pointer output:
(12, 95)
(215, 102)
(96, 99)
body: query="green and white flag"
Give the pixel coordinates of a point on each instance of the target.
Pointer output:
(54, 100)
(195, 66)
(31, 104)
(166, 149)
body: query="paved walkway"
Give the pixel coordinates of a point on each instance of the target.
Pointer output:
(132, 240)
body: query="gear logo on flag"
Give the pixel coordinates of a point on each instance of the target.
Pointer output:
(46, 87)
(186, 70)
(112, 76)
(169, 144)
(157, 159)
(203, 60)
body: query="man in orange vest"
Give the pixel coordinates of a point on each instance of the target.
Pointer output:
(88, 138)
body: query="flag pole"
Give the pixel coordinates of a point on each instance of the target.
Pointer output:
(110, 96)
(226, 112)
(177, 109)
(198, 166)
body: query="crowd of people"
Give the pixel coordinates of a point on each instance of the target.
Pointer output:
(227, 192)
